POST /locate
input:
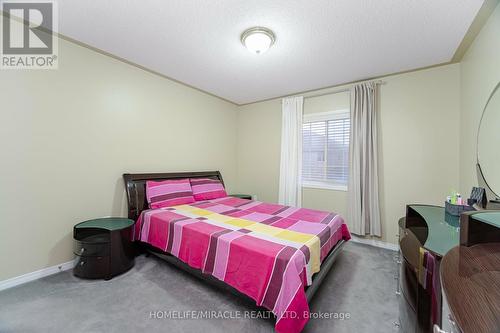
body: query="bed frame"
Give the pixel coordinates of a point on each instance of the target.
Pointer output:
(135, 185)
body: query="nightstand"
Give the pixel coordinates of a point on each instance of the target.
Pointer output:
(103, 247)
(241, 196)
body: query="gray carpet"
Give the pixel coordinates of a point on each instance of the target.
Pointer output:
(360, 284)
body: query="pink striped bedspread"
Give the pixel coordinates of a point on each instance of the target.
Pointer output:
(269, 252)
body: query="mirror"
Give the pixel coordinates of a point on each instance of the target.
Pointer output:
(488, 143)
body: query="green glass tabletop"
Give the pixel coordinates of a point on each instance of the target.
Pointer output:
(444, 230)
(108, 223)
(492, 218)
(239, 195)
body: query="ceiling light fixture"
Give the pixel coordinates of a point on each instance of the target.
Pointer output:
(258, 39)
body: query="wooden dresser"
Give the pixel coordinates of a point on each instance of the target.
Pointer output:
(470, 276)
(449, 275)
(426, 234)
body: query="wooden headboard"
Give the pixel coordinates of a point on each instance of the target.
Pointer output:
(135, 185)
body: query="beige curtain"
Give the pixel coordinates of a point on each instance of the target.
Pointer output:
(363, 207)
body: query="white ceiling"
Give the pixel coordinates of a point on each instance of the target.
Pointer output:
(319, 43)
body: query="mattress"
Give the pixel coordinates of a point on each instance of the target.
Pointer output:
(269, 252)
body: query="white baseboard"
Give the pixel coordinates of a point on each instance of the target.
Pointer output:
(28, 277)
(375, 242)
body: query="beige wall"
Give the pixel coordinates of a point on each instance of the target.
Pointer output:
(67, 136)
(480, 72)
(419, 123)
(259, 137)
(330, 102)
(419, 141)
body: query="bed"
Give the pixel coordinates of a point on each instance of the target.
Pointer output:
(275, 256)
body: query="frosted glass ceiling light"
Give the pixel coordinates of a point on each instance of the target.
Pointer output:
(258, 39)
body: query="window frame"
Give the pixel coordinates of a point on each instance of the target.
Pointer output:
(317, 117)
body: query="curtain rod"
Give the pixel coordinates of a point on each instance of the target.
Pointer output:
(342, 90)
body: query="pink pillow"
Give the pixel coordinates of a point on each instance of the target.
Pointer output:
(168, 193)
(206, 189)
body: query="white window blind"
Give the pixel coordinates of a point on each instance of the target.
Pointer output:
(325, 152)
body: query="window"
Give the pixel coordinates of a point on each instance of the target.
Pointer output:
(325, 150)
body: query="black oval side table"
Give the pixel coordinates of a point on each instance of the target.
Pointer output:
(103, 247)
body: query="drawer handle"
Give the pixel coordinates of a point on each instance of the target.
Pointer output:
(82, 263)
(451, 321)
(437, 329)
(82, 250)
